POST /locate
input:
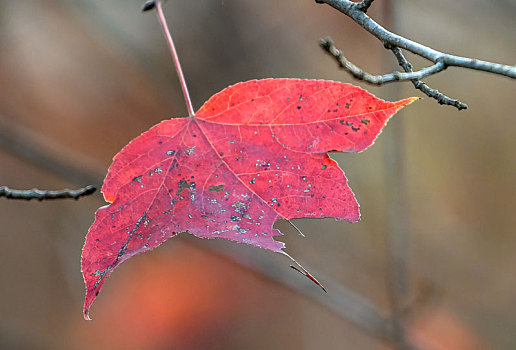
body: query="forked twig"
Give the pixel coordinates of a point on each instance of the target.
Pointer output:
(427, 90)
(357, 12)
(328, 45)
(358, 73)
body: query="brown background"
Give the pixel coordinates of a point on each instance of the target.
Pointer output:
(79, 79)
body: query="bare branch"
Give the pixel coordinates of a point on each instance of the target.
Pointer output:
(44, 194)
(418, 84)
(327, 44)
(354, 11)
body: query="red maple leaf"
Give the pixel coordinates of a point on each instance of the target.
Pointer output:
(255, 152)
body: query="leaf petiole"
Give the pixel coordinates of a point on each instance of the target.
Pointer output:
(161, 17)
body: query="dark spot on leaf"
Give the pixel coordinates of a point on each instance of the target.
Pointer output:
(182, 184)
(217, 188)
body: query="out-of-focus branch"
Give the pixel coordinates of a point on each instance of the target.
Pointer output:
(340, 299)
(45, 194)
(21, 143)
(357, 12)
(16, 142)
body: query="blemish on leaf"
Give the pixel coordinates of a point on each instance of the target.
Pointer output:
(216, 188)
(182, 184)
(190, 150)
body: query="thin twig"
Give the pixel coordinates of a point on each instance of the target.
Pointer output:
(45, 194)
(418, 84)
(354, 11)
(394, 42)
(358, 73)
(328, 45)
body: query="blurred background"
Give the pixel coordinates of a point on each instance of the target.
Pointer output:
(437, 240)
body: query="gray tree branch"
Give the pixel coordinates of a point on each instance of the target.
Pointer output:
(358, 73)
(357, 12)
(427, 90)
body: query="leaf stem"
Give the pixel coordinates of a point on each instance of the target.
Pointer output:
(175, 57)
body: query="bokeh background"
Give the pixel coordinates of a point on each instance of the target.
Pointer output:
(79, 79)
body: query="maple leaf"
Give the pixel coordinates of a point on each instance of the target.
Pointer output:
(255, 152)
